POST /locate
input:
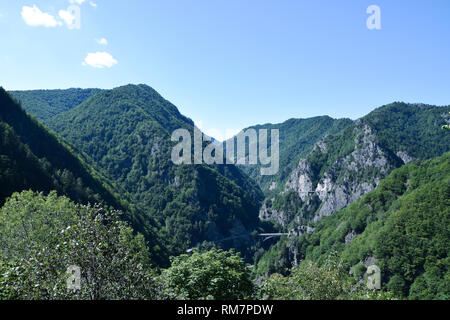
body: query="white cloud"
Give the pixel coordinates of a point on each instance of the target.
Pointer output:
(35, 17)
(93, 4)
(77, 1)
(99, 60)
(102, 41)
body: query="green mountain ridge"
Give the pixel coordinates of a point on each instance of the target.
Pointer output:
(344, 166)
(45, 104)
(50, 160)
(126, 132)
(34, 158)
(297, 138)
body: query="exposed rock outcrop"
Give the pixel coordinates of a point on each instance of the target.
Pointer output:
(300, 179)
(404, 156)
(348, 179)
(267, 213)
(350, 236)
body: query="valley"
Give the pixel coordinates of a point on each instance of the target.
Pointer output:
(346, 192)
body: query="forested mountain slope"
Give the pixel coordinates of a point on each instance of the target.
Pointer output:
(402, 226)
(297, 138)
(126, 131)
(33, 158)
(345, 166)
(44, 104)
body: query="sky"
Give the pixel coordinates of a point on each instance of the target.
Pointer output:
(232, 64)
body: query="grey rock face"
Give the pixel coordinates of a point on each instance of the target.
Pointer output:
(176, 181)
(370, 261)
(266, 213)
(155, 151)
(321, 145)
(348, 179)
(300, 230)
(300, 180)
(404, 156)
(350, 236)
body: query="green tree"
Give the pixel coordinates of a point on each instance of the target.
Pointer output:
(215, 274)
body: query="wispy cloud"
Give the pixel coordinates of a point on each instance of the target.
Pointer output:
(93, 4)
(76, 1)
(34, 17)
(102, 41)
(99, 60)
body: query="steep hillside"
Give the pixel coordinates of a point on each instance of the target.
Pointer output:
(297, 138)
(33, 158)
(411, 130)
(44, 104)
(343, 167)
(401, 226)
(126, 131)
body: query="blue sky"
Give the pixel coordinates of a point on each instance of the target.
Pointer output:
(231, 64)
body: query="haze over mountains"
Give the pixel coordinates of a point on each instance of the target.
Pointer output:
(344, 186)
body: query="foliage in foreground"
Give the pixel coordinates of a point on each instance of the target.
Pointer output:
(41, 236)
(309, 281)
(215, 274)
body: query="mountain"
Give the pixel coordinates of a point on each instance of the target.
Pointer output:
(34, 158)
(297, 138)
(343, 167)
(45, 104)
(127, 131)
(401, 226)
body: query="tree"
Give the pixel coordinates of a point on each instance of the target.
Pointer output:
(42, 236)
(215, 274)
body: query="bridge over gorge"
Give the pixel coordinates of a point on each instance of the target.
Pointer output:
(266, 236)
